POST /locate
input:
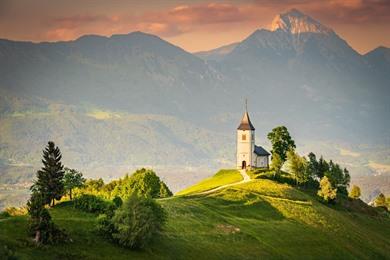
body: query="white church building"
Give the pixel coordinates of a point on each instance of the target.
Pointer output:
(249, 155)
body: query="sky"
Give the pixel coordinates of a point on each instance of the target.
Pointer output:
(192, 25)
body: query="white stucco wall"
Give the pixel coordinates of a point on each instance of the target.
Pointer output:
(245, 147)
(261, 161)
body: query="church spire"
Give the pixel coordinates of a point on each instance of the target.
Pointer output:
(246, 123)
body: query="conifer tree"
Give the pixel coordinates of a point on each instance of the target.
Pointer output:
(49, 181)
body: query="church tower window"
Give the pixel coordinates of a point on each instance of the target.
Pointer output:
(243, 137)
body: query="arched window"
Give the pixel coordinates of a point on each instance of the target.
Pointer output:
(243, 137)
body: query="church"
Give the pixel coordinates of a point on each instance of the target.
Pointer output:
(249, 155)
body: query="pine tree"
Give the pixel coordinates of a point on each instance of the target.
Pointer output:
(49, 181)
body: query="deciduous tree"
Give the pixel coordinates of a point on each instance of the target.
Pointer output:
(355, 192)
(281, 141)
(72, 179)
(276, 164)
(326, 191)
(380, 201)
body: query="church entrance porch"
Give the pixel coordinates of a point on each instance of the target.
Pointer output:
(243, 166)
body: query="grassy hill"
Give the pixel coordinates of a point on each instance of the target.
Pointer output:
(257, 219)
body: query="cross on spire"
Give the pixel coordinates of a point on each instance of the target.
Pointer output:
(246, 105)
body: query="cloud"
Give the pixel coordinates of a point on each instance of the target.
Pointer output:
(71, 22)
(186, 18)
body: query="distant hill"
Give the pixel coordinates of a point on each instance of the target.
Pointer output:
(135, 100)
(258, 219)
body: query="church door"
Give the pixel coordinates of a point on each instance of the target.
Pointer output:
(243, 165)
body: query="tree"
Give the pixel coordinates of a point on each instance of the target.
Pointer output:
(144, 182)
(281, 142)
(339, 178)
(136, 221)
(326, 191)
(72, 179)
(41, 226)
(164, 191)
(355, 192)
(313, 166)
(49, 181)
(276, 164)
(380, 201)
(297, 166)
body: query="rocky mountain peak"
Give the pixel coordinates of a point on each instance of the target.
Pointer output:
(296, 22)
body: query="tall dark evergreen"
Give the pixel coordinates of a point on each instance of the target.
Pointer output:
(49, 181)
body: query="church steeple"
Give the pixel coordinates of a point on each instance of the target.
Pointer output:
(246, 123)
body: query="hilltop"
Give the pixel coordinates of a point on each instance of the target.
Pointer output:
(259, 218)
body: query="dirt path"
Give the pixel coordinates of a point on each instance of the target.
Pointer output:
(245, 178)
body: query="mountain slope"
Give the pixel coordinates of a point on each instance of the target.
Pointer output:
(216, 54)
(120, 72)
(259, 219)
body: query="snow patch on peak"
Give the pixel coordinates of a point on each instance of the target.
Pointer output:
(296, 22)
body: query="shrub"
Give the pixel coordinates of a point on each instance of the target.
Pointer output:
(4, 214)
(117, 201)
(105, 226)
(134, 223)
(93, 204)
(16, 211)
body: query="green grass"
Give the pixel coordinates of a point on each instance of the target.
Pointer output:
(259, 219)
(222, 177)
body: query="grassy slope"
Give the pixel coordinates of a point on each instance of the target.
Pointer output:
(252, 220)
(222, 177)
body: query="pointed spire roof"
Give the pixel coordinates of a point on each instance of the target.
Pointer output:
(246, 123)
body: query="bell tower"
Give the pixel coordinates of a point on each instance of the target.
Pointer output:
(245, 142)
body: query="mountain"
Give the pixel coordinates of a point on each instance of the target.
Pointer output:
(216, 54)
(253, 220)
(127, 72)
(132, 100)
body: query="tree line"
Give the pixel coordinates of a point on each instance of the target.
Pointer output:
(311, 172)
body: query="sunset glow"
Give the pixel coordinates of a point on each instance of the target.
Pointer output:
(194, 26)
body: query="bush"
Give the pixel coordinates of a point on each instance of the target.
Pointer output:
(4, 214)
(16, 211)
(117, 201)
(93, 204)
(105, 226)
(134, 223)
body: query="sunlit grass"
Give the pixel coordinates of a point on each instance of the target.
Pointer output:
(222, 177)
